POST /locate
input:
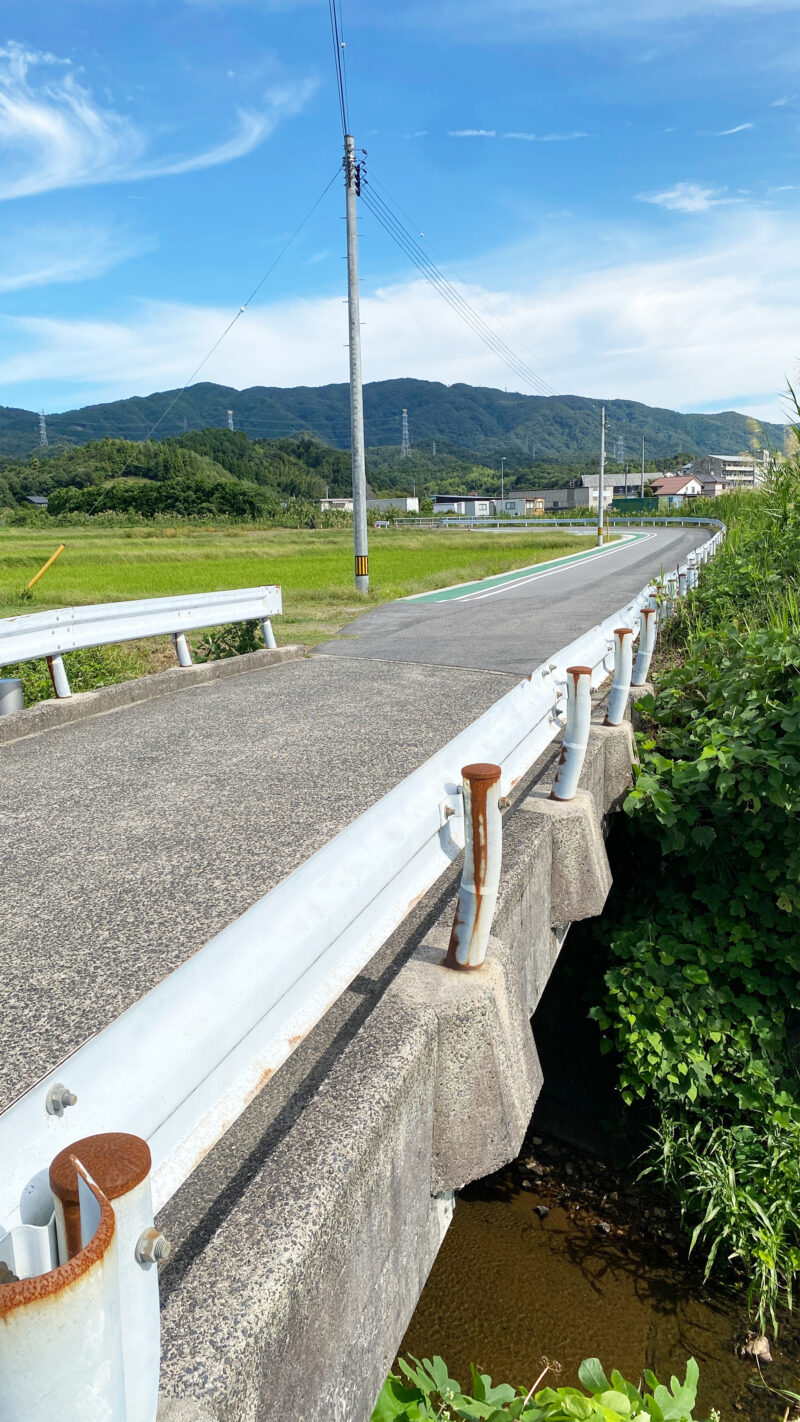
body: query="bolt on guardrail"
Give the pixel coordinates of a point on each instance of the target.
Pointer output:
(480, 878)
(576, 733)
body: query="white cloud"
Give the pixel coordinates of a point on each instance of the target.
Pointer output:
(546, 137)
(45, 255)
(726, 132)
(697, 328)
(55, 134)
(472, 133)
(506, 19)
(687, 197)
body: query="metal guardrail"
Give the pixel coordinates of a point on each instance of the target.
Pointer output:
(588, 522)
(182, 1063)
(70, 629)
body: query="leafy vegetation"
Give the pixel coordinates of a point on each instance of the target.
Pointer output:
(86, 671)
(426, 1391)
(703, 992)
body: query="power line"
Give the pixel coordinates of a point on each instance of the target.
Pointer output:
(454, 298)
(337, 57)
(412, 228)
(231, 323)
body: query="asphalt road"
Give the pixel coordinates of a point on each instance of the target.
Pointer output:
(129, 839)
(513, 628)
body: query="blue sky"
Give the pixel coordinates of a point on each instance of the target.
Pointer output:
(615, 181)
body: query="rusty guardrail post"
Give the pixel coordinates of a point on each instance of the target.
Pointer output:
(79, 1314)
(576, 733)
(268, 634)
(647, 643)
(480, 879)
(182, 649)
(623, 669)
(11, 698)
(691, 571)
(58, 676)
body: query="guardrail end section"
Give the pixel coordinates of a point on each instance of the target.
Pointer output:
(80, 1339)
(576, 733)
(480, 879)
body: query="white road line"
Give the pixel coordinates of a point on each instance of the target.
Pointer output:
(534, 577)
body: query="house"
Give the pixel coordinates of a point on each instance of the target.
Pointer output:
(399, 505)
(677, 487)
(465, 505)
(733, 471)
(39, 501)
(521, 505)
(337, 505)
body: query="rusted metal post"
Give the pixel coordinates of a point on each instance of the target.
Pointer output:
(647, 643)
(58, 676)
(11, 698)
(269, 635)
(621, 684)
(682, 582)
(182, 649)
(576, 733)
(480, 879)
(79, 1318)
(691, 571)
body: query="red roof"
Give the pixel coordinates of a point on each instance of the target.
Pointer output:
(674, 484)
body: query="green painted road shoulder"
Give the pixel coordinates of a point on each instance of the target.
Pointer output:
(498, 580)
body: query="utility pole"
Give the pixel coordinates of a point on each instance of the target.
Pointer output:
(600, 490)
(641, 490)
(352, 181)
(434, 447)
(502, 478)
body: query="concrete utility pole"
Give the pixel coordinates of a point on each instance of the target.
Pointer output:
(352, 180)
(641, 489)
(502, 478)
(600, 490)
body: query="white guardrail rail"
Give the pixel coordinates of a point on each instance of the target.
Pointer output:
(156, 1089)
(71, 629)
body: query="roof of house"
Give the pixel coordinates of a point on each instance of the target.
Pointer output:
(39, 499)
(674, 484)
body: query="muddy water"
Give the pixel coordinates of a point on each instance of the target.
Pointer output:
(566, 1254)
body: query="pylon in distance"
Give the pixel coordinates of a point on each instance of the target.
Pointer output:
(230, 419)
(42, 430)
(405, 447)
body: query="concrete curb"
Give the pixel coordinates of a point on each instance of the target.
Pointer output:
(48, 715)
(296, 1304)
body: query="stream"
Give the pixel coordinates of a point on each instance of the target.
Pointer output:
(567, 1253)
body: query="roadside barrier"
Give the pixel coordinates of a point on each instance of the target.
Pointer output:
(172, 1073)
(70, 629)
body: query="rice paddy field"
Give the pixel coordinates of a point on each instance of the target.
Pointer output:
(314, 567)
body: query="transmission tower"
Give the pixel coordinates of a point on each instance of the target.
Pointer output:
(42, 430)
(405, 447)
(230, 419)
(619, 453)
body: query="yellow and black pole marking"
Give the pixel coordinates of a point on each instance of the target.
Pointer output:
(362, 566)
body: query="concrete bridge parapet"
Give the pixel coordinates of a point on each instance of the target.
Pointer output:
(308, 1276)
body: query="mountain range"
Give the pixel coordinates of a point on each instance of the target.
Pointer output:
(469, 421)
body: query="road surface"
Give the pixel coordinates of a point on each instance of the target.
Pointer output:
(131, 838)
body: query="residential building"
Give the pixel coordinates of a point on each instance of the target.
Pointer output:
(678, 487)
(398, 505)
(39, 501)
(340, 505)
(733, 471)
(465, 505)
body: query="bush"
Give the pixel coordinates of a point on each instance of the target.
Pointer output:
(426, 1391)
(87, 670)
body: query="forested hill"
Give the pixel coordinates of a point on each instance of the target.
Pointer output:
(468, 420)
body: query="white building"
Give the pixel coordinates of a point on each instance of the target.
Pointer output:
(734, 471)
(399, 505)
(465, 505)
(339, 505)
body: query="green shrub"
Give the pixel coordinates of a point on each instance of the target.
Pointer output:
(233, 639)
(426, 1391)
(86, 670)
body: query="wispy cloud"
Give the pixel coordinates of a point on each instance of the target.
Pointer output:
(726, 132)
(687, 197)
(547, 137)
(472, 133)
(55, 134)
(509, 19)
(47, 255)
(666, 330)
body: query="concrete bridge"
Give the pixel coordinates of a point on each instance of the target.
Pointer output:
(140, 821)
